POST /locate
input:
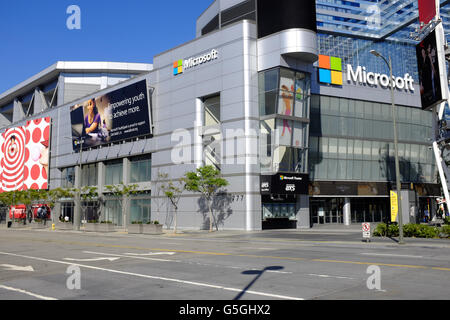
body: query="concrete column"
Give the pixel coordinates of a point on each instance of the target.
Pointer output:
(198, 140)
(303, 215)
(347, 212)
(60, 93)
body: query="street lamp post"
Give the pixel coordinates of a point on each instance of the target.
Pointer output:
(397, 165)
(76, 216)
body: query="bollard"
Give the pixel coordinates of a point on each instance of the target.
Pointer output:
(53, 227)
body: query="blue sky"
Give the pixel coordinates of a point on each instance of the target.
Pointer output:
(33, 34)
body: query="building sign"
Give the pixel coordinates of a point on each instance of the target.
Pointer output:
(330, 70)
(180, 66)
(118, 115)
(360, 75)
(429, 72)
(285, 184)
(24, 156)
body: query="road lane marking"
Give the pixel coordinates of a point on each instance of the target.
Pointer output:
(17, 268)
(89, 244)
(193, 283)
(390, 255)
(125, 256)
(151, 254)
(92, 259)
(328, 276)
(372, 263)
(27, 293)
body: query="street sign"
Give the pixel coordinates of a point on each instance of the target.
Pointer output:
(366, 231)
(394, 206)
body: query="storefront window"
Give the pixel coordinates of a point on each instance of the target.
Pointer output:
(140, 210)
(113, 212)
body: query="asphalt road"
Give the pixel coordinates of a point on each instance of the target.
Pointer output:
(281, 265)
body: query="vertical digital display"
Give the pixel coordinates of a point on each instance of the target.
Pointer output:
(275, 16)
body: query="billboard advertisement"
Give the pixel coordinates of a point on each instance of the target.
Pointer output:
(429, 73)
(24, 156)
(118, 115)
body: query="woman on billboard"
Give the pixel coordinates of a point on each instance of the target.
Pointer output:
(92, 121)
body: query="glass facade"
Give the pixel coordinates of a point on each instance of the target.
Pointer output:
(68, 177)
(113, 212)
(141, 168)
(140, 210)
(353, 140)
(356, 52)
(284, 97)
(89, 176)
(114, 172)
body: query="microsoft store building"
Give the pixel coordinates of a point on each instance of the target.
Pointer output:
(297, 118)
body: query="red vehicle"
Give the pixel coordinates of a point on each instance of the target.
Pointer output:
(20, 211)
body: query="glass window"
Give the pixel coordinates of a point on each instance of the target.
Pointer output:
(89, 175)
(342, 170)
(68, 177)
(284, 128)
(367, 150)
(333, 148)
(342, 151)
(358, 149)
(324, 147)
(113, 212)
(141, 168)
(212, 110)
(140, 210)
(114, 172)
(332, 169)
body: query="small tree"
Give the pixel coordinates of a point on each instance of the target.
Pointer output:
(54, 195)
(122, 192)
(87, 194)
(207, 181)
(9, 199)
(30, 197)
(173, 192)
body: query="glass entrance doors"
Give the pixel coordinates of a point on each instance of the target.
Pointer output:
(331, 210)
(325, 211)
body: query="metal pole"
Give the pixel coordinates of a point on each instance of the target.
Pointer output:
(397, 164)
(77, 215)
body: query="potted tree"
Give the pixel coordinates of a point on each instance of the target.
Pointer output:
(88, 196)
(122, 193)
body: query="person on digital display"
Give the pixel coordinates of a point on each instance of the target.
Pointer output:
(92, 121)
(287, 99)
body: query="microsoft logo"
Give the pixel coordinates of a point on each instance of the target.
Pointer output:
(330, 70)
(178, 67)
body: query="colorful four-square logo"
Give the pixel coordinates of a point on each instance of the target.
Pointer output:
(177, 67)
(330, 70)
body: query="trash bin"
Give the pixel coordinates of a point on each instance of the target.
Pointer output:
(9, 224)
